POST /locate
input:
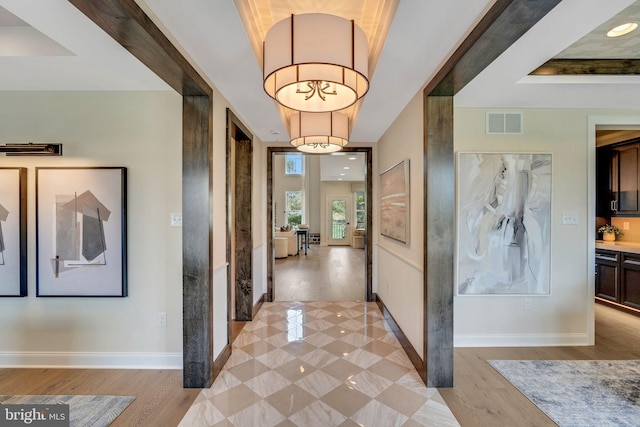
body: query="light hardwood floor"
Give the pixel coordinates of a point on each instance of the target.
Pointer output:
(326, 273)
(160, 398)
(480, 396)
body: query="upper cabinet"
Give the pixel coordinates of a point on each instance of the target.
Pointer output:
(618, 180)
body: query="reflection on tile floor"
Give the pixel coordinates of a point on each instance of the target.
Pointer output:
(318, 364)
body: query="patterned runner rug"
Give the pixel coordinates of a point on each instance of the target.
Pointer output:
(84, 411)
(579, 393)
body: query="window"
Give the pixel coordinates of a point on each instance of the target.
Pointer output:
(361, 211)
(293, 164)
(293, 207)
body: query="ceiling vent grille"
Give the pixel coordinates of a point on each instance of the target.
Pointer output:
(505, 123)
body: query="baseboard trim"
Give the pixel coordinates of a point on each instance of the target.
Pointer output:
(258, 305)
(520, 340)
(86, 360)
(218, 364)
(414, 357)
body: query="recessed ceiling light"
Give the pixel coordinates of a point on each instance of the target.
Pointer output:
(338, 154)
(352, 158)
(342, 174)
(346, 167)
(623, 29)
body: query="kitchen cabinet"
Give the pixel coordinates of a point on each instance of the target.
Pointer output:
(618, 180)
(618, 278)
(630, 280)
(607, 275)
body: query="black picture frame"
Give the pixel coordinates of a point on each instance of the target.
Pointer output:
(13, 237)
(81, 232)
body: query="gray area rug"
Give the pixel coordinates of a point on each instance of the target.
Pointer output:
(84, 411)
(579, 393)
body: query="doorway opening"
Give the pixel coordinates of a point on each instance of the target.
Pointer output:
(329, 218)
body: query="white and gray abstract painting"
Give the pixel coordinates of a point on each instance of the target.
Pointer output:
(504, 221)
(4, 214)
(79, 232)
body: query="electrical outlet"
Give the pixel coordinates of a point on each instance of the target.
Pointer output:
(162, 319)
(625, 225)
(527, 304)
(176, 220)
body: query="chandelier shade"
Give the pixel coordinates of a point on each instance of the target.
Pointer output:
(319, 132)
(315, 63)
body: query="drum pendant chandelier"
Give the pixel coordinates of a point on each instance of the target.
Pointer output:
(319, 133)
(315, 63)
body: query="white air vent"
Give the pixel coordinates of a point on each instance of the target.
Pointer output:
(504, 123)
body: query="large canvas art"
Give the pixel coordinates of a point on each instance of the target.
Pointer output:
(13, 232)
(394, 202)
(504, 223)
(81, 231)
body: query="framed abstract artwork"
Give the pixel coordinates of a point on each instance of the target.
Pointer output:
(504, 223)
(13, 232)
(81, 231)
(394, 202)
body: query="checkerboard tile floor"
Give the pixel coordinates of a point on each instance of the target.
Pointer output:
(318, 364)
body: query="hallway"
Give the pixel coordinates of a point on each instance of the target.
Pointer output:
(318, 364)
(327, 273)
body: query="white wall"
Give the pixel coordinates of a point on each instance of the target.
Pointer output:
(566, 316)
(398, 267)
(138, 130)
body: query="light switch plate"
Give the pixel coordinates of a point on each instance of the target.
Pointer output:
(569, 218)
(176, 220)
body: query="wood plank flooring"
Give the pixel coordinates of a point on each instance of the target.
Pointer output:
(160, 398)
(326, 273)
(482, 397)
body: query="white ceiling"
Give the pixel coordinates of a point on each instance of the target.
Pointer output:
(422, 34)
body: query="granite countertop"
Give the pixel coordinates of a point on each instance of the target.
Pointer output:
(620, 246)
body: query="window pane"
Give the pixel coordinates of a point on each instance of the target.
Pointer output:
(294, 200)
(293, 164)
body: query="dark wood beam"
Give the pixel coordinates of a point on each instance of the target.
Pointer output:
(127, 23)
(611, 67)
(133, 29)
(501, 26)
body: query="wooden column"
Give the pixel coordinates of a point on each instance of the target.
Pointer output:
(439, 208)
(243, 256)
(501, 26)
(197, 242)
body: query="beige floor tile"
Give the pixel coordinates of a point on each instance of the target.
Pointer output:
(389, 370)
(369, 383)
(290, 400)
(342, 369)
(346, 400)
(377, 413)
(339, 348)
(319, 358)
(295, 368)
(267, 383)
(318, 383)
(234, 400)
(275, 358)
(259, 414)
(317, 414)
(401, 399)
(249, 369)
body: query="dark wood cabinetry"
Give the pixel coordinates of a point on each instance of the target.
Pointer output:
(630, 280)
(618, 277)
(607, 275)
(618, 179)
